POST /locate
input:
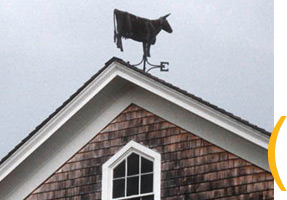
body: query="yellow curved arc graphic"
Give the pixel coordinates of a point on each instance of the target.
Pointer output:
(271, 153)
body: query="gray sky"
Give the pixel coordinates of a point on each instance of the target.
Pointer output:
(220, 50)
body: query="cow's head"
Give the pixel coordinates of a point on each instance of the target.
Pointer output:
(164, 24)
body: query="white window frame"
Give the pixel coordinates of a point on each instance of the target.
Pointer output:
(131, 147)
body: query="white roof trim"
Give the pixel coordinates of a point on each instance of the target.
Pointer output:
(57, 121)
(195, 107)
(116, 69)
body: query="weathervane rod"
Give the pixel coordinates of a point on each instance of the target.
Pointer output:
(144, 64)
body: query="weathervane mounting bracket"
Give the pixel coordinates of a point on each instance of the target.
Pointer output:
(162, 66)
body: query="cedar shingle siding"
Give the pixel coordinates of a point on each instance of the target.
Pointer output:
(192, 168)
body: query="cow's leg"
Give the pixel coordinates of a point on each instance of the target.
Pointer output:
(144, 49)
(148, 50)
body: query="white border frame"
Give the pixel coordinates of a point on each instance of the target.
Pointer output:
(132, 146)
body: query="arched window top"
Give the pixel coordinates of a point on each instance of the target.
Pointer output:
(132, 174)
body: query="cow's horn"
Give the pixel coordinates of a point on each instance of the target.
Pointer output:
(166, 16)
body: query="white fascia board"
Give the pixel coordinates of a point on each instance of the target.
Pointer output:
(115, 69)
(57, 121)
(194, 106)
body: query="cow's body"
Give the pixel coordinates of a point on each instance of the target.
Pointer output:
(139, 29)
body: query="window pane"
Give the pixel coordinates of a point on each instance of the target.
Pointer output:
(146, 183)
(119, 171)
(119, 188)
(133, 186)
(147, 165)
(148, 198)
(133, 164)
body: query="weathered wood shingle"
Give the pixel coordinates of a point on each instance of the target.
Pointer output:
(192, 168)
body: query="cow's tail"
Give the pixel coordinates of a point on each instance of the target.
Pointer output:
(115, 30)
(117, 36)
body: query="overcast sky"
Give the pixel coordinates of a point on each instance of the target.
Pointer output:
(220, 50)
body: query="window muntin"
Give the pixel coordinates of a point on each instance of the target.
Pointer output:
(133, 178)
(108, 173)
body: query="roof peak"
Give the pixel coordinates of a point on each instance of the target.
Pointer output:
(148, 75)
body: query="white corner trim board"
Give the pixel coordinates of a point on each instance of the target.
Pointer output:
(132, 146)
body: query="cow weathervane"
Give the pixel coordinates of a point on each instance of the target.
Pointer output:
(142, 30)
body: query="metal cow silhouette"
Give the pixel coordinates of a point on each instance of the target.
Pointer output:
(140, 29)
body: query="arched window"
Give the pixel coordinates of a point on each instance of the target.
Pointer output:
(132, 174)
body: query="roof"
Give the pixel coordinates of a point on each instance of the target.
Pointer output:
(107, 64)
